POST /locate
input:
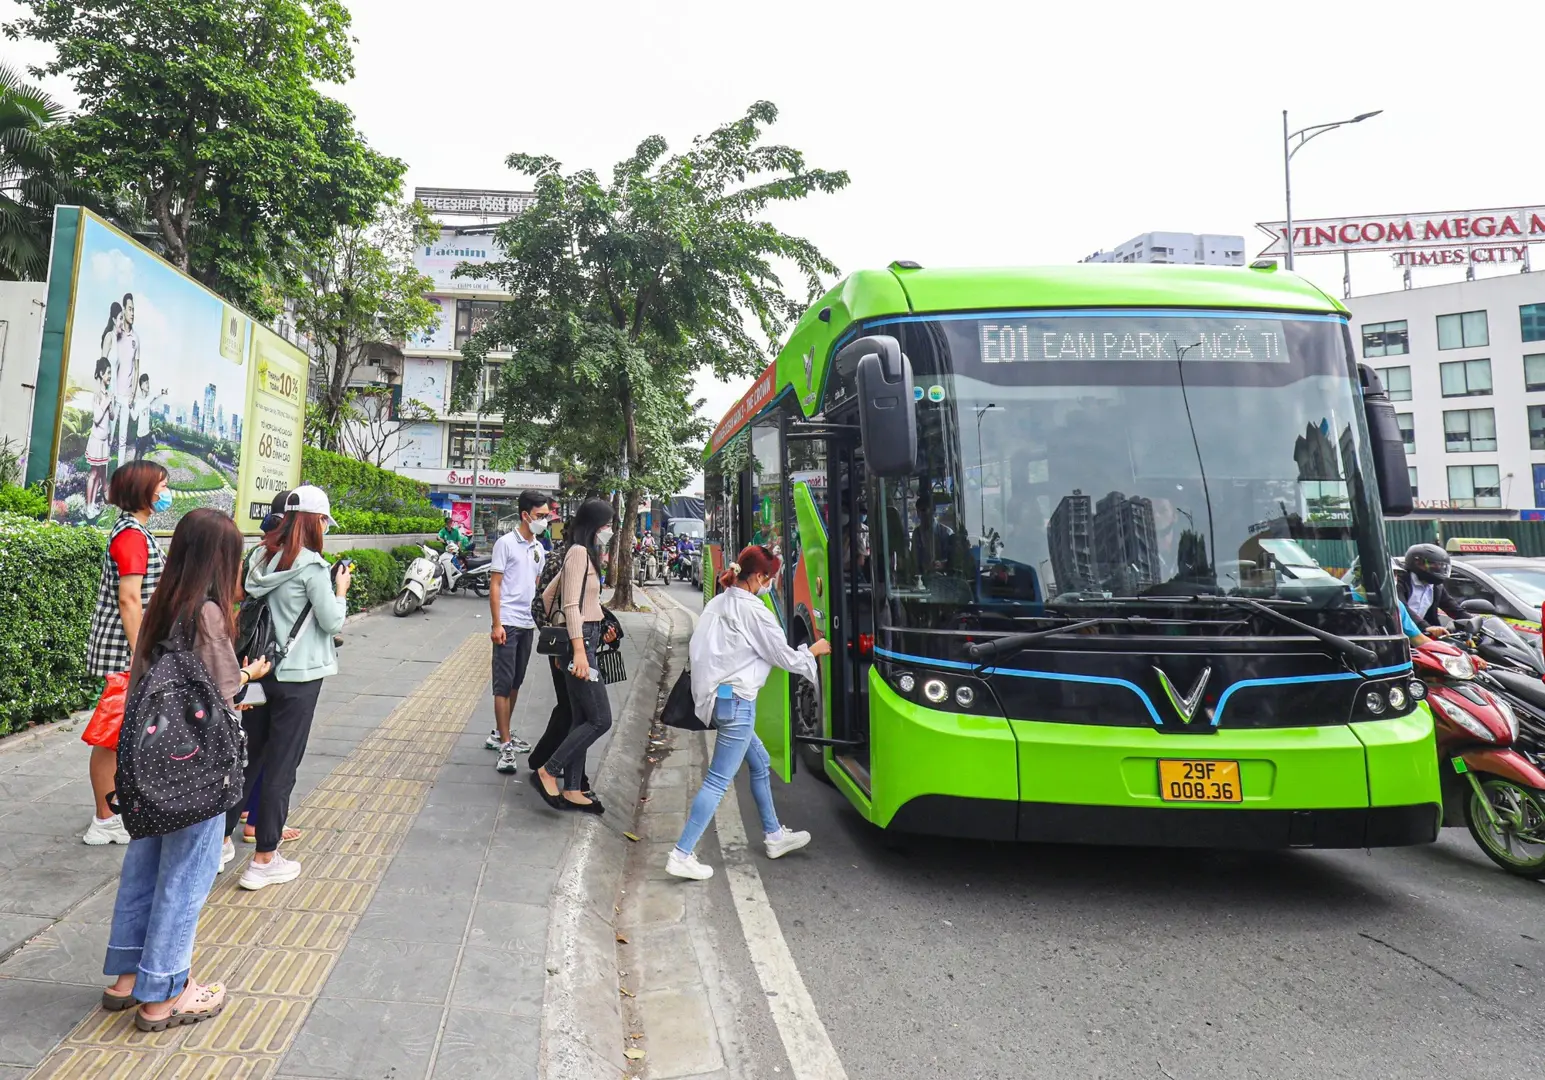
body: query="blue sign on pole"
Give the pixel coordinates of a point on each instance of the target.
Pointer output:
(1539, 485)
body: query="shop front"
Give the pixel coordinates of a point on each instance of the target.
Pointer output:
(481, 497)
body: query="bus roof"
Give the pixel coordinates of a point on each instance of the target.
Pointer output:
(901, 290)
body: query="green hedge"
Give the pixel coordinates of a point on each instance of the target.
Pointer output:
(376, 523)
(377, 574)
(31, 502)
(48, 587)
(358, 485)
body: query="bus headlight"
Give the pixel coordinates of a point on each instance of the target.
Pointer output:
(1397, 698)
(935, 691)
(1417, 689)
(1374, 702)
(965, 697)
(906, 682)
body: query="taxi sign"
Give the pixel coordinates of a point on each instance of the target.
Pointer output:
(1472, 546)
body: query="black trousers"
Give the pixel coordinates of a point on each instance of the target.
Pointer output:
(558, 721)
(592, 711)
(276, 741)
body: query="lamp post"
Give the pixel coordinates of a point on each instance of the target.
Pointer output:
(1289, 148)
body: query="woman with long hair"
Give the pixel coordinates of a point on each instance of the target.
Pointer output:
(579, 585)
(737, 643)
(131, 566)
(99, 443)
(307, 601)
(165, 879)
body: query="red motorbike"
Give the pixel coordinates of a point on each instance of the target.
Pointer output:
(1491, 785)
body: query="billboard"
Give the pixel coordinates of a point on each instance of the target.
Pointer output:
(438, 261)
(474, 202)
(1499, 230)
(151, 365)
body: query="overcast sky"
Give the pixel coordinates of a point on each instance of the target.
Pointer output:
(984, 133)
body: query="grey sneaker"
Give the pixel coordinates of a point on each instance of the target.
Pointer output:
(508, 759)
(493, 742)
(521, 745)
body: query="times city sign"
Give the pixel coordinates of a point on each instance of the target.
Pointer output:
(1435, 239)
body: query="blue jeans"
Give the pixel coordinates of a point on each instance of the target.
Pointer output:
(162, 889)
(736, 742)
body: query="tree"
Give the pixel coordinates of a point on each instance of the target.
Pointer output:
(208, 111)
(31, 179)
(623, 291)
(359, 291)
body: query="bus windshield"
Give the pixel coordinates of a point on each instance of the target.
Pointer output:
(1084, 457)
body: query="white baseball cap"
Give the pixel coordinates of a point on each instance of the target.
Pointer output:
(310, 499)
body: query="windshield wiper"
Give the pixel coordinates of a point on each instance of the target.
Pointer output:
(1360, 655)
(1016, 643)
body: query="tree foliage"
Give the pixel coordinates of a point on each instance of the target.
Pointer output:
(625, 289)
(207, 110)
(356, 292)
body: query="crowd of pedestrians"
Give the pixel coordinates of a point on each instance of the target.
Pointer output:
(165, 626)
(258, 635)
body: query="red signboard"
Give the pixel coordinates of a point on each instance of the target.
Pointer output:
(755, 401)
(1401, 232)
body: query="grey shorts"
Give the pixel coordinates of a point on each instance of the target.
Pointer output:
(511, 659)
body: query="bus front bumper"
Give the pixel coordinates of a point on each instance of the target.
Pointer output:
(1168, 826)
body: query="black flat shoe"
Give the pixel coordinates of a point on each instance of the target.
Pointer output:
(557, 802)
(583, 808)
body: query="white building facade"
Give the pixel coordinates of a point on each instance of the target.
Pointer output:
(449, 450)
(1193, 249)
(1465, 365)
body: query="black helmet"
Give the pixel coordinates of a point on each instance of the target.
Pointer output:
(1428, 562)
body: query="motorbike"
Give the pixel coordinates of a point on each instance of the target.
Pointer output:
(1493, 777)
(472, 576)
(420, 585)
(681, 562)
(646, 564)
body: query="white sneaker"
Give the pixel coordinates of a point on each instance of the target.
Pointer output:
(227, 854)
(686, 866)
(784, 841)
(509, 759)
(493, 742)
(276, 872)
(110, 831)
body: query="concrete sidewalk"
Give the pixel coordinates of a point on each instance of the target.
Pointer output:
(414, 943)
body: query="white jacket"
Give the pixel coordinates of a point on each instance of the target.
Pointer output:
(738, 641)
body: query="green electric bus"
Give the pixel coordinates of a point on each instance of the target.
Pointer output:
(1077, 537)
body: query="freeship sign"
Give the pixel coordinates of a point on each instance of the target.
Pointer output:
(1462, 230)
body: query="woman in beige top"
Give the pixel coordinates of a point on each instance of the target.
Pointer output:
(578, 588)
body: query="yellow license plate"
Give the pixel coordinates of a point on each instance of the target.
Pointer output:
(1200, 781)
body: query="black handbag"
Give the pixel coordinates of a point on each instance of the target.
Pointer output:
(679, 710)
(553, 639)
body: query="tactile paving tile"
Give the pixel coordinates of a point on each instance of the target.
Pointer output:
(274, 948)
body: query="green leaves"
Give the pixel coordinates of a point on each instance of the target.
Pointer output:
(207, 114)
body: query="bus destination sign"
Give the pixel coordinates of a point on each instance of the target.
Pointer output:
(1121, 338)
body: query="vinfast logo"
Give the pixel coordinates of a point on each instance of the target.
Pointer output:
(1185, 705)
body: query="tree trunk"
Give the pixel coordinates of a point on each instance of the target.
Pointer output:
(622, 598)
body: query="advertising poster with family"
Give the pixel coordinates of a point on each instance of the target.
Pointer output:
(158, 367)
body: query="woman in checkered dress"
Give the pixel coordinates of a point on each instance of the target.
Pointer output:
(131, 566)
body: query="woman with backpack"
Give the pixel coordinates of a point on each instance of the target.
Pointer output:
(166, 878)
(578, 584)
(307, 604)
(131, 565)
(737, 643)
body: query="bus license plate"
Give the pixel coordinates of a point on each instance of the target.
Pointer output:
(1200, 781)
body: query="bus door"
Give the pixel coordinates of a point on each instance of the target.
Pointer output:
(853, 635)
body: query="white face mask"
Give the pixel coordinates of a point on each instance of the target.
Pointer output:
(765, 590)
(538, 526)
(604, 536)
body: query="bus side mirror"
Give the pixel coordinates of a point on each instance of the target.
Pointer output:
(1389, 453)
(887, 420)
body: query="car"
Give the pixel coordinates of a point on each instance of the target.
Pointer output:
(1488, 570)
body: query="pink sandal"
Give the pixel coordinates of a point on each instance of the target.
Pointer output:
(208, 1003)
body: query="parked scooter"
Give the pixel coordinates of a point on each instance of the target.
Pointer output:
(472, 576)
(420, 584)
(1492, 783)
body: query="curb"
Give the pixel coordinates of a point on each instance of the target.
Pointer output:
(582, 1033)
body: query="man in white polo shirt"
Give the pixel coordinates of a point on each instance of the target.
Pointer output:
(514, 569)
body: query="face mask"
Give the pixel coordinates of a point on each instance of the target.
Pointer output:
(163, 502)
(538, 526)
(765, 590)
(604, 537)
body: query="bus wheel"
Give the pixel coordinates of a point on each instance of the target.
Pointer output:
(807, 723)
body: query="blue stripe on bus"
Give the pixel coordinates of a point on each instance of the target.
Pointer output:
(1217, 716)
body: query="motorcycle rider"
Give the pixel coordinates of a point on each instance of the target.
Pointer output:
(453, 533)
(1421, 586)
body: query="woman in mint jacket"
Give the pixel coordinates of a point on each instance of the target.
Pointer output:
(288, 573)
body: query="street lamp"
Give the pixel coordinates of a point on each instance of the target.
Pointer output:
(1289, 148)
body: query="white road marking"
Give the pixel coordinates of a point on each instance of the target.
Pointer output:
(805, 1041)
